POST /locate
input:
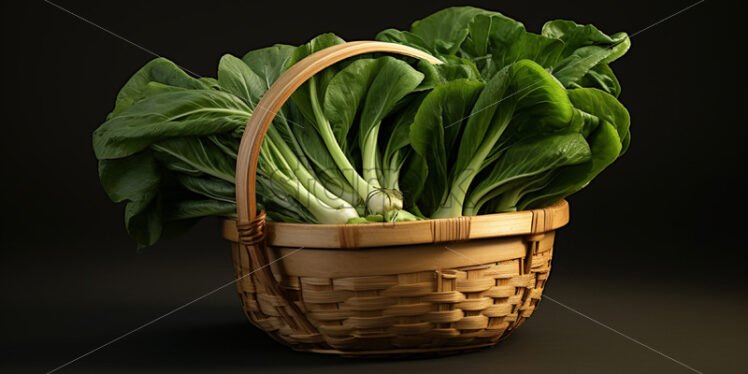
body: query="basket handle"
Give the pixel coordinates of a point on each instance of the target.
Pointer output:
(276, 96)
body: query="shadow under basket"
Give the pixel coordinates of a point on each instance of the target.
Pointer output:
(382, 289)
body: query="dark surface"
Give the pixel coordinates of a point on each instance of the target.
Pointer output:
(654, 250)
(56, 317)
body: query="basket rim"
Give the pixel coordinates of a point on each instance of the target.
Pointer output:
(362, 235)
(388, 225)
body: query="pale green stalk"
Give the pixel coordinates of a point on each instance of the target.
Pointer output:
(283, 175)
(378, 201)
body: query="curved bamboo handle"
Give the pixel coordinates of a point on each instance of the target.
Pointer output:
(276, 96)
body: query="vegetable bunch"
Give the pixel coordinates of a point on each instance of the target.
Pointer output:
(510, 120)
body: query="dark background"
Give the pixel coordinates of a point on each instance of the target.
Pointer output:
(653, 248)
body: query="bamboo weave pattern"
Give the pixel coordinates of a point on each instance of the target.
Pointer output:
(467, 307)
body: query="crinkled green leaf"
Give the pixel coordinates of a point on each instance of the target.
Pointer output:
(445, 30)
(603, 106)
(235, 77)
(453, 68)
(601, 77)
(435, 131)
(189, 209)
(403, 37)
(166, 115)
(159, 70)
(605, 146)
(301, 96)
(214, 188)
(201, 154)
(529, 158)
(392, 82)
(345, 95)
(268, 63)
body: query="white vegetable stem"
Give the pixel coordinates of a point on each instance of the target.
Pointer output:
(281, 172)
(383, 200)
(453, 204)
(369, 156)
(304, 176)
(378, 201)
(392, 174)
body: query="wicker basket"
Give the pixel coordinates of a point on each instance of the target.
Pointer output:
(423, 287)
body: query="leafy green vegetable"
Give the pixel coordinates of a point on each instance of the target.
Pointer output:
(527, 160)
(160, 71)
(522, 94)
(167, 115)
(435, 131)
(510, 120)
(492, 41)
(377, 85)
(605, 146)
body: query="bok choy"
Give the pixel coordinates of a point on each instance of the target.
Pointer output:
(510, 120)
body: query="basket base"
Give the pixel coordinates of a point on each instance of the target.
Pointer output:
(404, 353)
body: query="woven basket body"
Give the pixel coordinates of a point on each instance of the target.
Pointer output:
(418, 287)
(444, 295)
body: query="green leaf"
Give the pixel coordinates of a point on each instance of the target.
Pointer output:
(213, 188)
(301, 97)
(494, 107)
(316, 151)
(159, 70)
(278, 204)
(523, 98)
(523, 93)
(479, 31)
(575, 35)
(585, 47)
(411, 181)
(509, 42)
(571, 69)
(403, 37)
(603, 106)
(235, 77)
(189, 209)
(200, 154)
(529, 158)
(453, 68)
(435, 131)
(268, 63)
(345, 94)
(398, 147)
(166, 115)
(626, 142)
(542, 103)
(392, 82)
(210, 82)
(155, 88)
(601, 77)
(130, 177)
(445, 30)
(605, 146)
(143, 219)
(227, 143)
(135, 180)
(174, 164)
